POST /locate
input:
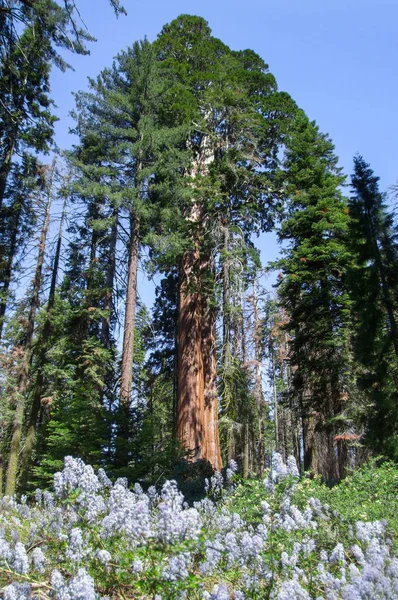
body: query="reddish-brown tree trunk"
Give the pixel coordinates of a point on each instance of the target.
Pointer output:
(190, 399)
(197, 403)
(211, 451)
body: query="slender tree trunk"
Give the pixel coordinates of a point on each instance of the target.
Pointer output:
(246, 450)
(7, 272)
(276, 411)
(258, 381)
(129, 319)
(211, 450)
(23, 377)
(308, 425)
(5, 167)
(110, 275)
(226, 301)
(30, 438)
(123, 428)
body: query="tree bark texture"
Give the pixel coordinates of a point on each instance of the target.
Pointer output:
(129, 319)
(197, 412)
(23, 377)
(123, 426)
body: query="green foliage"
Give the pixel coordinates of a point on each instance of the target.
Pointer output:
(369, 493)
(373, 285)
(312, 288)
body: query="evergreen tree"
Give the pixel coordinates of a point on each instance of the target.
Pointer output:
(17, 224)
(374, 288)
(24, 87)
(235, 121)
(31, 35)
(26, 345)
(312, 290)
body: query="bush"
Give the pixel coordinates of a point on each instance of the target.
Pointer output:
(93, 539)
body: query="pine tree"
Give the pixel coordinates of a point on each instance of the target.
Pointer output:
(312, 290)
(39, 362)
(373, 284)
(31, 35)
(24, 87)
(17, 224)
(27, 346)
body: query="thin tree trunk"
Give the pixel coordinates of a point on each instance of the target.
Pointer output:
(226, 301)
(110, 275)
(246, 450)
(211, 450)
(309, 443)
(129, 319)
(7, 272)
(128, 345)
(276, 411)
(1, 474)
(30, 438)
(258, 380)
(23, 378)
(6, 164)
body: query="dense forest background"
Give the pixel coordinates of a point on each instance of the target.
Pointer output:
(186, 152)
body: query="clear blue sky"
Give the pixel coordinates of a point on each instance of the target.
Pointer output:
(336, 58)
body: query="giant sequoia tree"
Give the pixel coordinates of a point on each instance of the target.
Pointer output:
(235, 120)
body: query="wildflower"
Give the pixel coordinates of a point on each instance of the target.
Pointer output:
(77, 549)
(292, 590)
(103, 479)
(38, 559)
(104, 556)
(291, 467)
(137, 566)
(21, 561)
(5, 550)
(219, 592)
(57, 581)
(231, 469)
(337, 555)
(177, 567)
(17, 591)
(81, 587)
(279, 470)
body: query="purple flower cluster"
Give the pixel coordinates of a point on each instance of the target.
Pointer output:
(92, 536)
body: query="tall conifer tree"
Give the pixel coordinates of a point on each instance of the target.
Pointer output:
(313, 290)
